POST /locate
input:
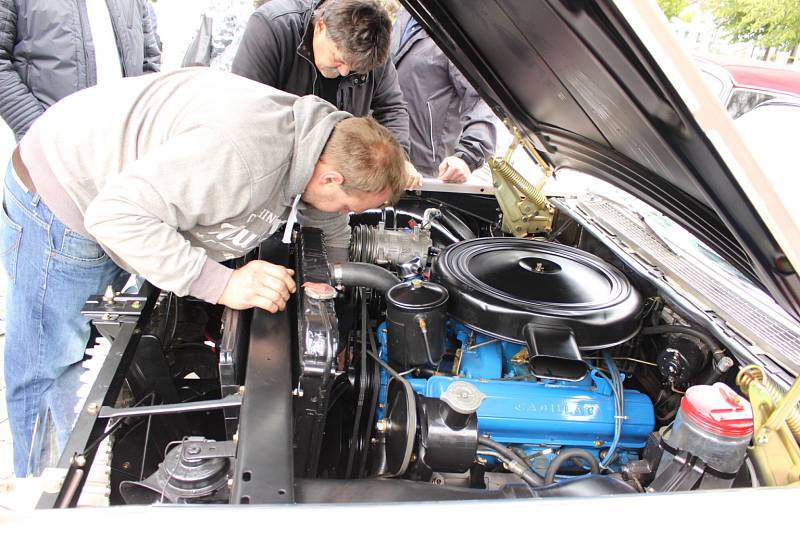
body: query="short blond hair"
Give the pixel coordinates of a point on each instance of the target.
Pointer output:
(368, 157)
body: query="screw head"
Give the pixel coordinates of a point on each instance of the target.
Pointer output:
(193, 450)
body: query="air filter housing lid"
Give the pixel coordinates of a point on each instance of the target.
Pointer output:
(498, 285)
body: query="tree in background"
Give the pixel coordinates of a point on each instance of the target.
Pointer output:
(673, 8)
(768, 23)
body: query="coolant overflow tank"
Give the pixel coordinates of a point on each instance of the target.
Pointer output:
(715, 424)
(416, 315)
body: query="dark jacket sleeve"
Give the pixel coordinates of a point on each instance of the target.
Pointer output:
(259, 56)
(479, 130)
(18, 106)
(152, 49)
(388, 104)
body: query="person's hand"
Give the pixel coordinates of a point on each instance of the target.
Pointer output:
(259, 284)
(414, 180)
(453, 169)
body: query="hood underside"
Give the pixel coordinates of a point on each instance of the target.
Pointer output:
(577, 80)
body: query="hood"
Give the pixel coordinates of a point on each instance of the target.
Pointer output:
(578, 81)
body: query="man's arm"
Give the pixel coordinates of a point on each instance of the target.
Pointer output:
(260, 55)
(138, 217)
(18, 106)
(152, 48)
(389, 106)
(479, 133)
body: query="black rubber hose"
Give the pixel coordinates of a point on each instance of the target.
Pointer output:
(364, 275)
(708, 340)
(565, 455)
(529, 476)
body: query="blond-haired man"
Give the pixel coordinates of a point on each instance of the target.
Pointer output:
(167, 176)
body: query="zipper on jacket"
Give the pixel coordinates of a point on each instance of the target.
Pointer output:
(81, 15)
(430, 118)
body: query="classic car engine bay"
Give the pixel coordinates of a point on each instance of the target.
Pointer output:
(445, 362)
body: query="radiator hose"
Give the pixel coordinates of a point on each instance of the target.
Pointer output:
(363, 275)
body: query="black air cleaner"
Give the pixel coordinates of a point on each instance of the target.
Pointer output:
(498, 285)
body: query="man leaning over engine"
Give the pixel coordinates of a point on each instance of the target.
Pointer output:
(166, 176)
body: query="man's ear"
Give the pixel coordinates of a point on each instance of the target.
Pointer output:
(331, 177)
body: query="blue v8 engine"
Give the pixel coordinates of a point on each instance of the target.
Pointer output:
(510, 352)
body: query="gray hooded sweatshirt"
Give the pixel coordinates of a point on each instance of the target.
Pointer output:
(173, 173)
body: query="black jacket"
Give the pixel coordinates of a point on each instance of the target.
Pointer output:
(447, 115)
(276, 50)
(45, 54)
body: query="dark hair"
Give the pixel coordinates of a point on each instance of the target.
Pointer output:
(368, 157)
(361, 29)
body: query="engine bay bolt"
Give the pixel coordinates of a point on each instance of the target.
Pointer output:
(108, 296)
(230, 483)
(762, 440)
(382, 425)
(136, 305)
(241, 389)
(92, 408)
(79, 461)
(598, 443)
(193, 450)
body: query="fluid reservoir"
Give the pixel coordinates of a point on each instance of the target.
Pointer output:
(416, 315)
(715, 424)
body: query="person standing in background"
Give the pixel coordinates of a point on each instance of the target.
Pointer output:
(335, 49)
(51, 49)
(452, 131)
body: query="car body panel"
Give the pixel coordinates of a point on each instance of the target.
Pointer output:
(577, 79)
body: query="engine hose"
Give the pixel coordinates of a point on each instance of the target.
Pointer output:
(752, 373)
(708, 340)
(515, 464)
(564, 456)
(364, 275)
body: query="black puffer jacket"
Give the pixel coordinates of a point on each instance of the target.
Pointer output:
(47, 52)
(275, 50)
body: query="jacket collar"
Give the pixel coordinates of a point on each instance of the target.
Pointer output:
(397, 51)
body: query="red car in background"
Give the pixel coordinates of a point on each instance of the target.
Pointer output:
(741, 85)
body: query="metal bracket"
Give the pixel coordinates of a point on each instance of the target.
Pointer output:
(205, 449)
(110, 310)
(525, 208)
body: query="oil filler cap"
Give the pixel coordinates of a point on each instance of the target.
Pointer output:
(463, 397)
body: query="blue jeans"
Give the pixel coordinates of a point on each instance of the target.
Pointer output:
(51, 272)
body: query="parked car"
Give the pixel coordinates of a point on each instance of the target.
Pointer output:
(607, 351)
(741, 85)
(770, 131)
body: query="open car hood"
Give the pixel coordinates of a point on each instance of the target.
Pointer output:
(578, 81)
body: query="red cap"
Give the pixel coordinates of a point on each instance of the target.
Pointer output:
(718, 410)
